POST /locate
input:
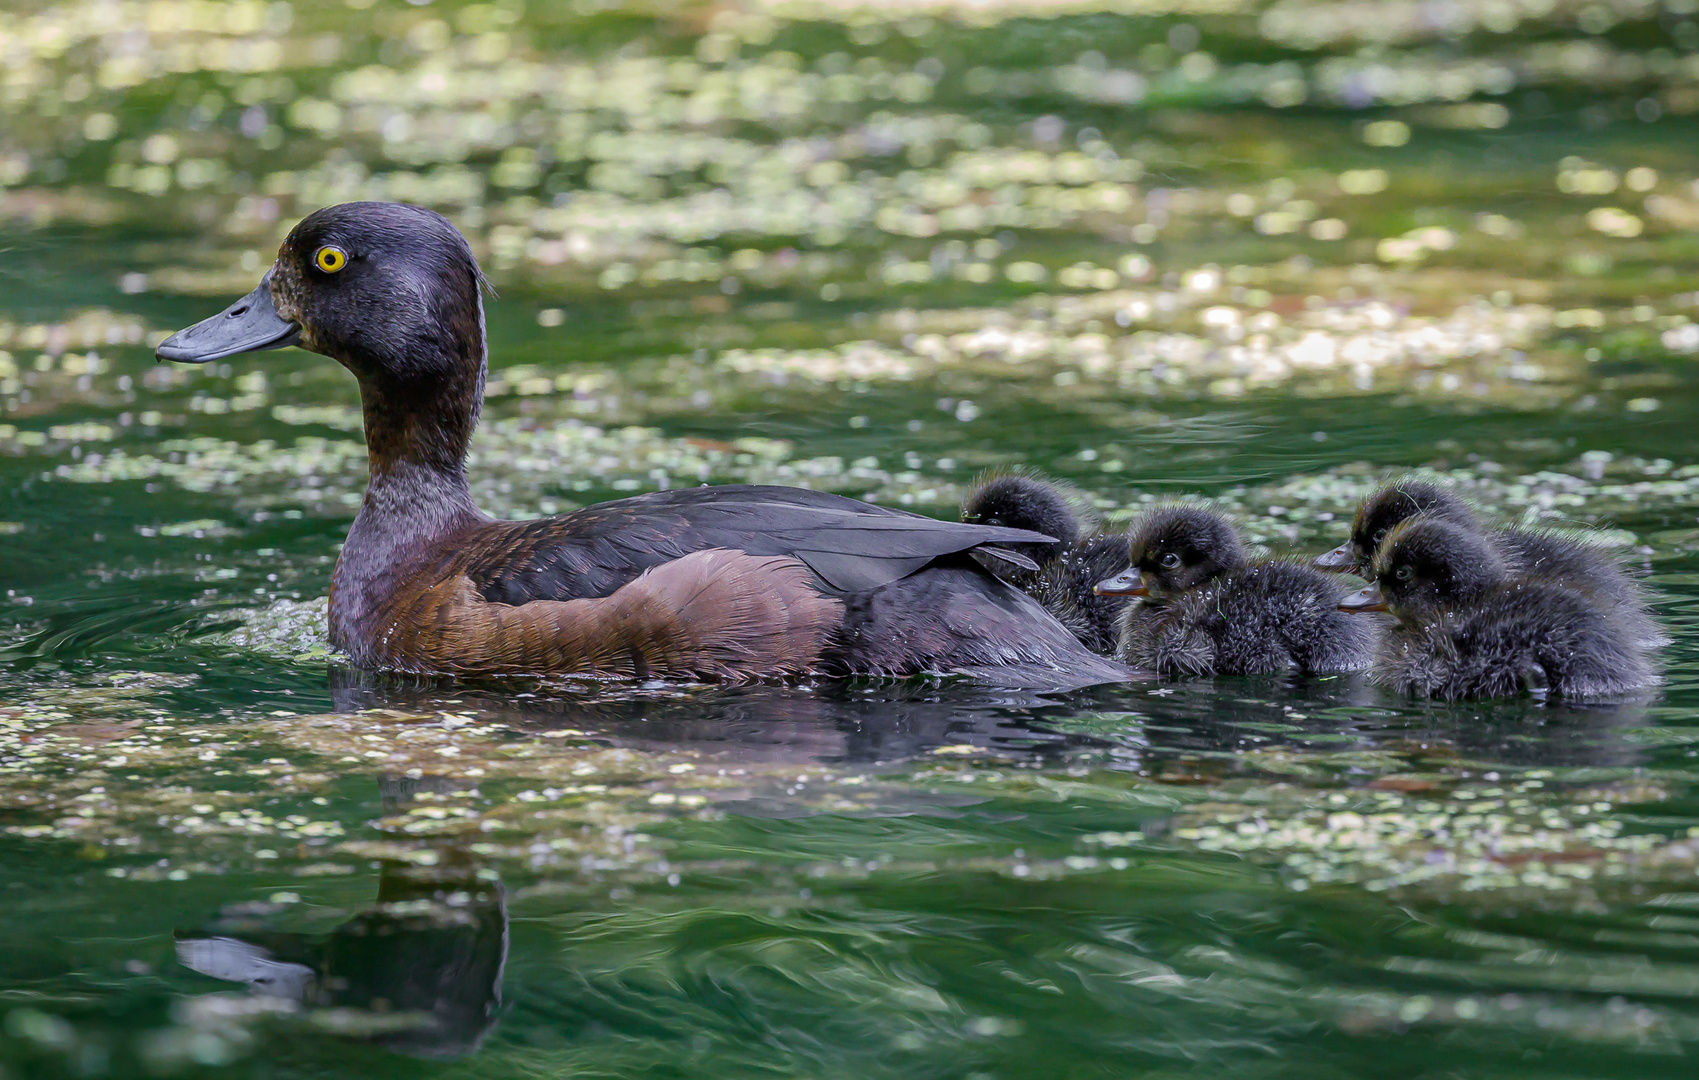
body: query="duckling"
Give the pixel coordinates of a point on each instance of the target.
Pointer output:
(731, 582)
(1532, 553)
(1207, 609)
(1468, 627)
(1069, 569)
(1041, 506)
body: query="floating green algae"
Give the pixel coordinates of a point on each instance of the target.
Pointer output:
(1266, 253)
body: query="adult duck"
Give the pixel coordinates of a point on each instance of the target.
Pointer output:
(713, 582)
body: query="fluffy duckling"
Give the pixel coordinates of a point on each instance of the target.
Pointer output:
(998, 498)
(1532, 553)
(1069, 569)
(1468, 627)
(1207, 609)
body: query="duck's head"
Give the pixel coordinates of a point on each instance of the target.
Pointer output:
(386, 289)
(1175, 548)
(1383, 512)
(394, 294)
(1022, 502)
(1427, 564)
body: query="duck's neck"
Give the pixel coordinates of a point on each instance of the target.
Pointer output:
(417, 493)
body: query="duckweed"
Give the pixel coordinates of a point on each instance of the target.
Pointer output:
(1269, 254)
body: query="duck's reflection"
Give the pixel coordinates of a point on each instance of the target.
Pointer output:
(1204, 726)
(419, 972)
(834, 723)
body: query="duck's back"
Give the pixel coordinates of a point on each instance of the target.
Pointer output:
(851, 546)
(1266, 618)
(811, 582)
(1524, 637)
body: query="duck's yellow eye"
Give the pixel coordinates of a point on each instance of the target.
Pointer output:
(330, 259)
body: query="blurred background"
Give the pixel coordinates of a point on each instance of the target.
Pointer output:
(860, 227)
(1207, 198)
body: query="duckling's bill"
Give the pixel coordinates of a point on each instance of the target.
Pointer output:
(1128, 582)
(251, 324)
(1340, 560)
(1367, 599)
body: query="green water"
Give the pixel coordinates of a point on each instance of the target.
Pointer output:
(1263, 253)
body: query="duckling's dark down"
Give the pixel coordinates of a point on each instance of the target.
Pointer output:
(1068, 569)
(1536, 554)
(1469, 628)
(723, 582)
(1207, 609)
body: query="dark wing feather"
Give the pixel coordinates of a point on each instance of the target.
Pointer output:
(1002, 561)
(850, 572)
(852, 546)
(854, 554)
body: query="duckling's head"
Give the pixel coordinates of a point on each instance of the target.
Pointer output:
(390, 291)
(1172, 549)
(1384, 511)
(1426, 564)
(1022, 502)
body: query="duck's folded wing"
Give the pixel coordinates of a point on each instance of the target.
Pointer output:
(851, 546)
(859, 553)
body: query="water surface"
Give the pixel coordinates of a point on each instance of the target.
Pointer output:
(1266, 254)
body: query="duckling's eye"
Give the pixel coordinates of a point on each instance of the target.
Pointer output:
(993, 520)
(1170, 561)
(1378, 537)
(1405, 572)
(330, 259)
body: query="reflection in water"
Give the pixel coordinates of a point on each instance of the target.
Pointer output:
(420, 972)
(835, 723)
(1223, 718)
(1197, 727)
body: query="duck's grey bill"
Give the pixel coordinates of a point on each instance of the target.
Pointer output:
(1369, 599)
(1340, 559)
(1128, 582)
(251, 324)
